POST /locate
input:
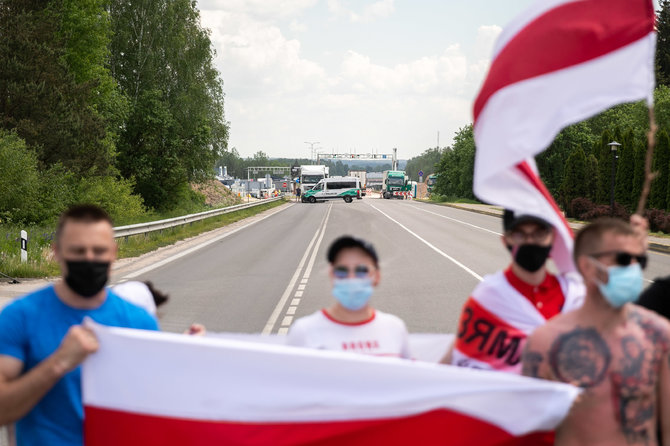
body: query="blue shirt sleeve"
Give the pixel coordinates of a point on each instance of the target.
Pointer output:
(13, 331)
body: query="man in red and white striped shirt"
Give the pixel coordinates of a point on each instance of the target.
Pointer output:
(508, 305)
(350, 323)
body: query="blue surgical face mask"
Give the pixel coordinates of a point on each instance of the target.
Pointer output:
(353, 294)
(624, 284)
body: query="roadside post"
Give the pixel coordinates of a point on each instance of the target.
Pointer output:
(24, 246)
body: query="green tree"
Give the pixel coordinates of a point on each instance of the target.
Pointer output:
(456, 167)
(625, 171)
(661, 165)
(574, 180)
(640, 154)
(551, 162)
(663, 43)
(591, 177)
(40, 95)
(605, 160)
(425, 162)
(163, 61)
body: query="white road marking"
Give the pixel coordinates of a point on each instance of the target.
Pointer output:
(283, 331)
(301, 286)
(310, 265)
(295, 302)
(475, 226)
(287, 321)
(430, 245)
(298, 294)
(186, 252)
(291, 310)
(269, 325)
(455, 220)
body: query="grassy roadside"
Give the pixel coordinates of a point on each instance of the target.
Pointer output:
(41, 264)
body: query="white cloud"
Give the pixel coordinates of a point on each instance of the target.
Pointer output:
(297, 27)
(276, 97)
(258, 8)
(486, 37)
(376, 10)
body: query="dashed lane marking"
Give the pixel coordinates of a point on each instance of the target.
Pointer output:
(456, 220)
(313, 247)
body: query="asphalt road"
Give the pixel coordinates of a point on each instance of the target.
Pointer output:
(261, 278)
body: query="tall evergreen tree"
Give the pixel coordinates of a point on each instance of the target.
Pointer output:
(640, 154)
(574, 180)
(660, 165)
(591, 177)
(605, 160)
(40, 94)
(663, 43)
(625, 170)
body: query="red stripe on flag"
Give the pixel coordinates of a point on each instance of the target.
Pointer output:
(567, 35)
(485, 337)
(525, 169)
(104, 427)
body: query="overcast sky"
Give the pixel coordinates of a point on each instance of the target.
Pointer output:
(355, 75)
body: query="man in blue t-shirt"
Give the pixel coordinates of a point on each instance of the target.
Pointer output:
(42, 341)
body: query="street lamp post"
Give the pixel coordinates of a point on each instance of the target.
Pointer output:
(311, 147)
(614, 146)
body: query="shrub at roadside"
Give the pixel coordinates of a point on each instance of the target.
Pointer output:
(113, 195)
(585, 209)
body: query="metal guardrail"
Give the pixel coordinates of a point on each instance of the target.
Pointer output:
(143, 228)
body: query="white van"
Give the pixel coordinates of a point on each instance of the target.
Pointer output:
(347, 188)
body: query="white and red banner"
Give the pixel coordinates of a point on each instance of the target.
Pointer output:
(150, 388)
(496, 320)
(559, 62)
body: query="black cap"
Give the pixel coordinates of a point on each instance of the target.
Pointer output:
(511, 220)
(348, 241)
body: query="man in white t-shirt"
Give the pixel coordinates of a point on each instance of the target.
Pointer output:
(350, 324)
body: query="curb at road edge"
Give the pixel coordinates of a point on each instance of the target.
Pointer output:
(656, 247)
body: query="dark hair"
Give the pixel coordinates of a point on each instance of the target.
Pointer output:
(159, 297)
(87, 213)
(348, 241)
(511, 220)
(589, 237)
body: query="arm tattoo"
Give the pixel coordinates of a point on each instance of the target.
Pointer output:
(580, 357)
(531, 363)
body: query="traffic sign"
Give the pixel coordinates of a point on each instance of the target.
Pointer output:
(283, 184)
(421, 173)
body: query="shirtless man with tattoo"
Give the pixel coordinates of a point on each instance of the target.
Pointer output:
(616, 351)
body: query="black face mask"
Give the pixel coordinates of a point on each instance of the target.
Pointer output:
(86, 278)
(531, 257)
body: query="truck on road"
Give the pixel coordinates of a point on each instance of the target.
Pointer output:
(395, 184)
(310, 175)
(430, 182)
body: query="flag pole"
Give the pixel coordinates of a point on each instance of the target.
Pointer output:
(648, 174)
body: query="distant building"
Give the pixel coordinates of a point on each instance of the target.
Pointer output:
(360, 174)
(374, 180)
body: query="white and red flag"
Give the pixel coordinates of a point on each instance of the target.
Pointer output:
(147, 388)
(559, 62)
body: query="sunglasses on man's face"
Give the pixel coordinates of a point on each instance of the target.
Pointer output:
(623, 258)
(360, 271)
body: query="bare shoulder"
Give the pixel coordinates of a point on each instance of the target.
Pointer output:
(655, 327)
(556, 325)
